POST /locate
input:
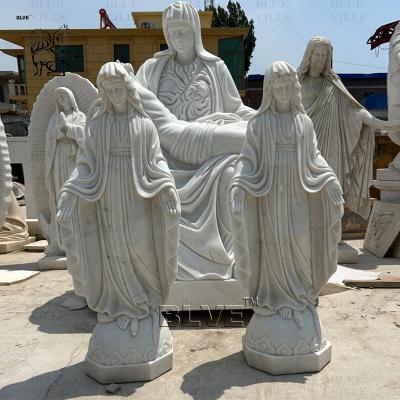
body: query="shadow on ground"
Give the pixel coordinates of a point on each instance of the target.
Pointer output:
(66, 383)
(53, 318)
(210, 380)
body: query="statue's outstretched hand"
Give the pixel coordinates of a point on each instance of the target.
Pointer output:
(171, 201)
(335, 193)
(65, 206)
(237, 199)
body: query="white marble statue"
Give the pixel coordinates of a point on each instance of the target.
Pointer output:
(5, 175)
(393, 90)
(120, 219)
(286, 205)
(393, 76)
(65, 132)
(56, 127)
(344, 128)
(13, 227)
(196, 86)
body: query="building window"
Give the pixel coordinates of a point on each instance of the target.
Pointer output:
(163, 46)
(232, 52)
(69, 58)
(21, 68)
(121, 53)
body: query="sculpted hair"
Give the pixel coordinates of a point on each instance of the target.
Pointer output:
(305, 64)
(274, 71)
(124, 73)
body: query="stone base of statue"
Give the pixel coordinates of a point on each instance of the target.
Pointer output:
(347, 254)
(281, 346)
(7, 246)
(383, 230)
(49, 262)
(115, 355)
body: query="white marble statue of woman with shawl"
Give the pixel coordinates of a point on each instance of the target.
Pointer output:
(344, 127)
(196, 86)
(65, 132)
(122, 239)
(287, 207)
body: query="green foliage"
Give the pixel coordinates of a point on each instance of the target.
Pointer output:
(235, 17)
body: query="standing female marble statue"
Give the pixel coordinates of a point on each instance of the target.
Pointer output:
(287, 208)
(344, 127)
(197, 86)
(64, 134)
(122, 240)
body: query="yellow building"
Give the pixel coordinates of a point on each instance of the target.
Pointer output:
(84, 51)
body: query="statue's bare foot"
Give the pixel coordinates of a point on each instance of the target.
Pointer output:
(298, 318)
(123, 321)
(104, 318)
(134, 326)
(285, 312)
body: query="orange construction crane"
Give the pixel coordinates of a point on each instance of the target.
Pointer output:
(105, 21)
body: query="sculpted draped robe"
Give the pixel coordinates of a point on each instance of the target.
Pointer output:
(345, 142)
(61, 152)
(286, 236)
(195, 93)
(121, 244)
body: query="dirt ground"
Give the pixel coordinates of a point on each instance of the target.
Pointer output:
(43, 346)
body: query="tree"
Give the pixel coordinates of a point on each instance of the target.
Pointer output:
(235, 17)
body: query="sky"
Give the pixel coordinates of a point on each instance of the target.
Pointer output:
(282, 27)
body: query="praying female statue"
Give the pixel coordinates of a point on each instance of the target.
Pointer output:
(286, 217)
(64, 134)
(196, 86)
(120, 214)
(344, 128)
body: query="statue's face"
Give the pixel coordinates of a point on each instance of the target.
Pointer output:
(116, 92)
(282, 89)
(319, 57)
(63, 101)
(181, 35)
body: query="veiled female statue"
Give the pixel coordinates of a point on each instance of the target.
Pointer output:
(287, 207)
(120, 217)
(65, 132)
(344, 127)
(196, 86)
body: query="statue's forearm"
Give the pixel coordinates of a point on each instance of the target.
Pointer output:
(228, 139)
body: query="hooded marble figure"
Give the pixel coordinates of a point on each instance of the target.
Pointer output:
(64, 134)
(287, 207)
(344, 128)
(122, 239)
(197, 86)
